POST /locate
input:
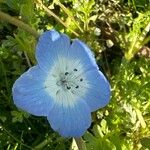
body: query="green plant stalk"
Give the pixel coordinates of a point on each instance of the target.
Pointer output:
(129, 54)
(146, 40)
(27, 59)
(17, 140)
(5, 75)
(140, 118)
(80, 143)
(42, 144)
(137, 43)
(50, 13)
(68, 13)
(18, 23)
(26, 52)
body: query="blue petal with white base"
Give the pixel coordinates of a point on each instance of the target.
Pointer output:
(29, 93)
(98, 94)
(72, 120)
(50, 47)
(65, 86)
(79, 50)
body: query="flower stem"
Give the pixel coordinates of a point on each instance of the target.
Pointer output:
(50, 13)
(18, 23)
(80, 143)
(42, 144)
(68, 13)
(13, 137)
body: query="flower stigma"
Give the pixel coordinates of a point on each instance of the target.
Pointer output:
(67, 79)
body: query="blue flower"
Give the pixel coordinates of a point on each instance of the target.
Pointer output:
(65, 85)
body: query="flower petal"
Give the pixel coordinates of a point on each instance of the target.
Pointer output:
(79, 50)
(70, 121)
(98, 93)
(50, 47)
(29, 93)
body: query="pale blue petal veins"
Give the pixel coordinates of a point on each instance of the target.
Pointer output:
(29, 93)
(70, 121)
(98, 93)
(79, 50)
(50, 47)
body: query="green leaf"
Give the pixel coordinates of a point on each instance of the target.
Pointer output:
(17, 116)
(145, 142)
(14, 4)
(140, 117)
(3, 118)
(27, 11)
(98, 141)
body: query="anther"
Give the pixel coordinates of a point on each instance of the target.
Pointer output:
(81, 79)
(57, 92)
(75, 69)
(77, 86)
(66, 73)
(68, 87)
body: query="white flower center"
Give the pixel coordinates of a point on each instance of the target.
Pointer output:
(66, 81)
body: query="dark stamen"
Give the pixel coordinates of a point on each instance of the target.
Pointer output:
(66, 73)
(81, 79)
(75, 69)
(57, 92)
(63, 81)
(77, 86)
(68, 87)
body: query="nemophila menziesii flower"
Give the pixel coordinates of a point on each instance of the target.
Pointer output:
(65, 85)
